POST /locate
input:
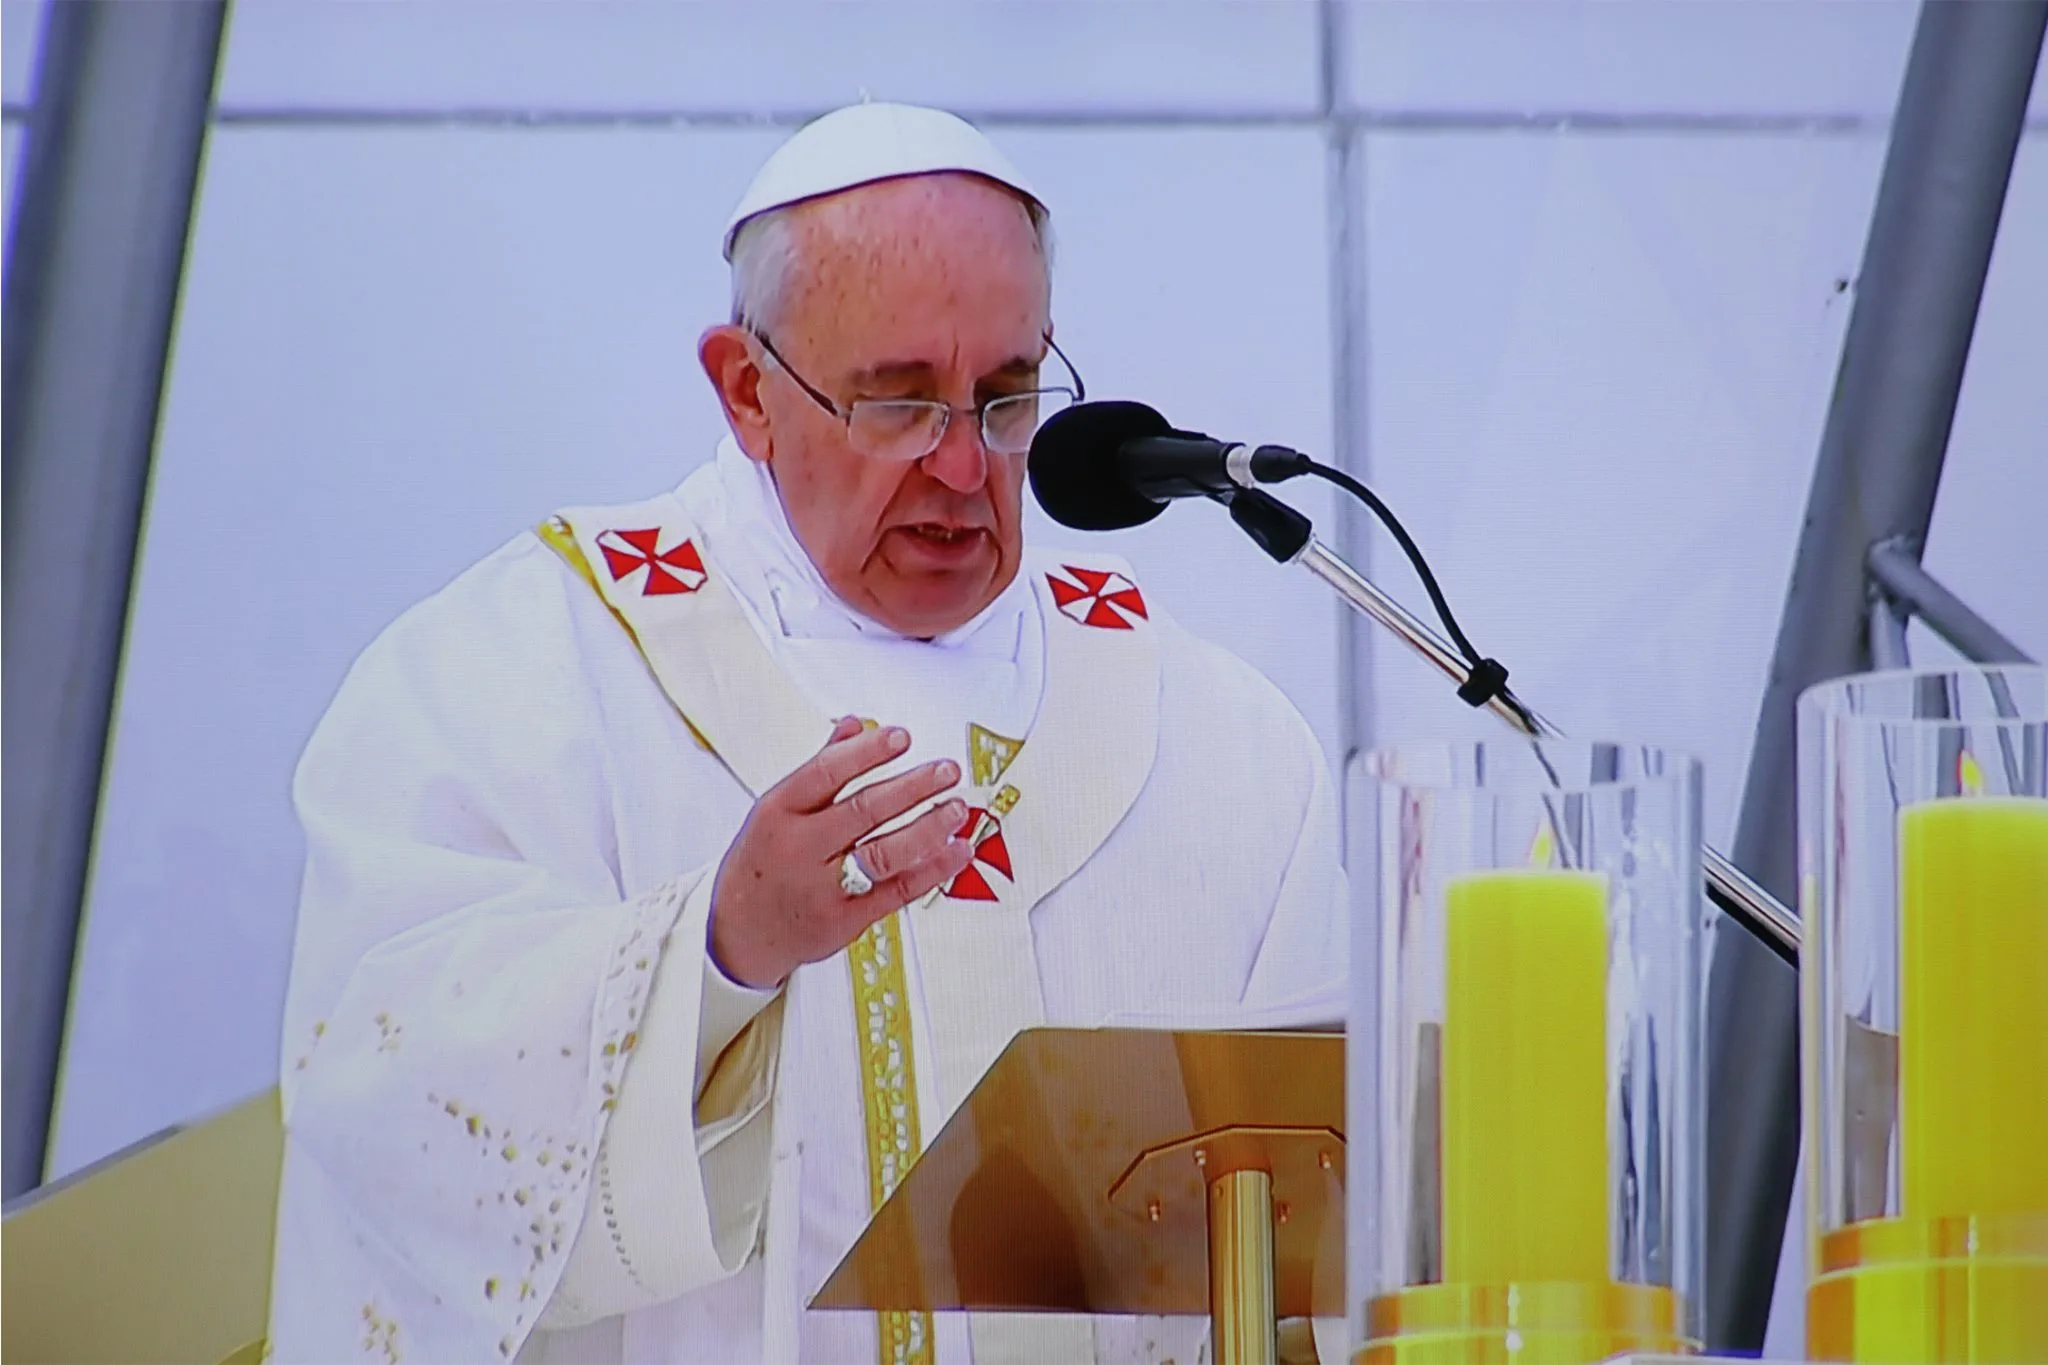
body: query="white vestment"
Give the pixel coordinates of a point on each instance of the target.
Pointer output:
(527, 1116)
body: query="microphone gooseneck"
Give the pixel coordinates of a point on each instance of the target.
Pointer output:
(1489, 677)
(1107, 466)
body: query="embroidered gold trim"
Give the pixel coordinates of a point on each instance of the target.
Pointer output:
(888, 1094)
(556, 535)
(989, 755)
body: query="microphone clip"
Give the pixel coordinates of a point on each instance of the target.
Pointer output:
(1487, 680)
(1278, 529)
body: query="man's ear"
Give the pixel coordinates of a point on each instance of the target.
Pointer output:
(727, 354)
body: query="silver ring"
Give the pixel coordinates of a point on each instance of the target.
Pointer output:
(853, 878)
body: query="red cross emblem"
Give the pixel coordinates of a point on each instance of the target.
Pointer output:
(985, 832)
(677, 570)
(1097, 597)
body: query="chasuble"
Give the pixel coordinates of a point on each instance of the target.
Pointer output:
(527, 1116)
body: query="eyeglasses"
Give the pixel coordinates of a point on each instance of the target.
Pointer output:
(904, 430)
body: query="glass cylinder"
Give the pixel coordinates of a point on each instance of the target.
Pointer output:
(1923, 860)
(1525, 1064)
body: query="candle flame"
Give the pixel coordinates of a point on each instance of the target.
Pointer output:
(1969, 774)
(1543, 848)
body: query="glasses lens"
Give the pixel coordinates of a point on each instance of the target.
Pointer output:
(1008, 424)
(896, 429)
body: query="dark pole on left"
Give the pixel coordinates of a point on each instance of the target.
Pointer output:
(110, 166)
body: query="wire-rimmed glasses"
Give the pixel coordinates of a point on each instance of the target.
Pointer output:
(904, 430)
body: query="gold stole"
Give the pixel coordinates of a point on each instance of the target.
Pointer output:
(888, 1093)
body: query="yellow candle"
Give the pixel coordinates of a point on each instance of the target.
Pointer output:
(1973, 1020)
(1525, 1178)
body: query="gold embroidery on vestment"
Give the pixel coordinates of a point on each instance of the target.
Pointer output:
(989, 755)
(888, 1094)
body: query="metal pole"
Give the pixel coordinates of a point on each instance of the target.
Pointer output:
(1897, 569)
(1887, 633)
(1961, 108)
(111, 158)
(1242, 1326)
(1344, 163)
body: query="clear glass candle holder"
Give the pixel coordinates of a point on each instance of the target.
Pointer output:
(1923, 858)
(1525, 1063)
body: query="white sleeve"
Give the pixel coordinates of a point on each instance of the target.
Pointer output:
(480, 1027)
(643, 1235)
(727, 1009)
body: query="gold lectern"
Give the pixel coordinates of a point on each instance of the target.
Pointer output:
(1126, 1171)
(160, 1253)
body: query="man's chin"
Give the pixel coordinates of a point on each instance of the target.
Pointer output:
(916, 600)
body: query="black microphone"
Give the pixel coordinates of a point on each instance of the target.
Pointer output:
(1105, 466)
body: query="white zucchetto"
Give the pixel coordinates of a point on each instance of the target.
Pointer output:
(863, 143)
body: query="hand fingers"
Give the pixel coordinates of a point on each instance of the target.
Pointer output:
(924, 840)
(852, 819)
(911, 862)
(815, 784)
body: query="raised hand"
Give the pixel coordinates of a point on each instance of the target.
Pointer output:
(778, 901)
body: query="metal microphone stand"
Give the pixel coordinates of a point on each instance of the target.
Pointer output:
(1289, 537)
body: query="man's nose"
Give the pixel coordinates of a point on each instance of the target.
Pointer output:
(960, 462)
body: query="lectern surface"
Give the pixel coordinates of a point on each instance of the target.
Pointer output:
(1074, 1178)
(161, 1256)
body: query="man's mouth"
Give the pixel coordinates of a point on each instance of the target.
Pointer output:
(940, 534)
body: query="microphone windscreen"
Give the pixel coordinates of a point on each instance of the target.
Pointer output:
(1074, 469)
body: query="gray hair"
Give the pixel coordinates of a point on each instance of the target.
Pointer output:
(764, 261)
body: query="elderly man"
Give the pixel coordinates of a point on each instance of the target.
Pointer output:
(629, 980)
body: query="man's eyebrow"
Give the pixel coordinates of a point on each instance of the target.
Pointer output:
(892, 371)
